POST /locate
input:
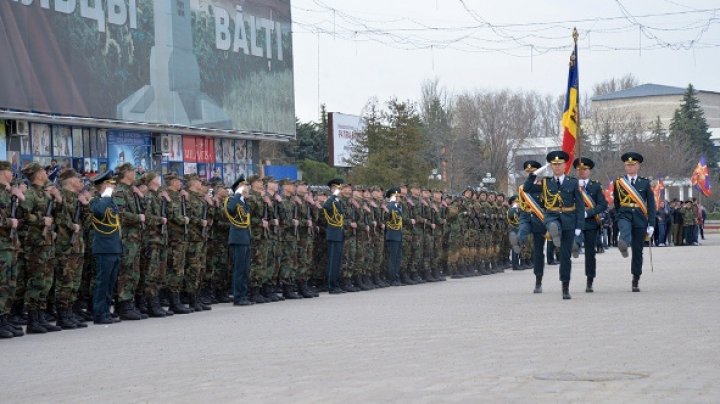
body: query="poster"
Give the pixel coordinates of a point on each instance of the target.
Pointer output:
(215, 171)
(77, 142)
(87, 148)
(40, 133)
(129, 147)
(62, 141)
(176, 151)
(204, 149)
(176, 167)
(3, 141)
(102, 143)
(90, 166)
(240, 151)
(189, 153)
(190, 168)
(228, 151)
(218, 151)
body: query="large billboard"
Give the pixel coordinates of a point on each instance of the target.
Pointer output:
(221, 64)
(342, 131)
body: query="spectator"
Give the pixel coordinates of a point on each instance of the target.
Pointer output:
(677, 224)
(662, 213)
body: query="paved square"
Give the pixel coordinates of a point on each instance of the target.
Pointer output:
(482, 339)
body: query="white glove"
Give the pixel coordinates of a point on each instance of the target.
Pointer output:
(393, 198)
(107, 192)
(650, 231)
(336, 192)
(577, 232)
(585, 214)
(239, 190)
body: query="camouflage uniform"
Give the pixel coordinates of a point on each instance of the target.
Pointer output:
(68, 272)
(156, 244)
(8, 255)
(258, 263)
(176, 239)
(349, 265)
(195, 255)
(320, 249)
(218, 263)
(132, 232)
(364, 255)
(287, 243)
(457, 230)
(378, 242)
(437, 217)
(307, 241)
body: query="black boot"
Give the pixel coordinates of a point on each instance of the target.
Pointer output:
(65, 320)
(127, 311)
(81, 312)
(417, 278)
(269, 293)
(437, 275)
(154, 308)
(538, 284)
(304, 290)
(176, 305)
(359, 280)
(566, 291)
(636, 283)
(140, 305)
(405, 279)
(256, 295)
(589, 287)
(289, 293)
(222, 296)
(33, 323)
(6, 329)
(45, 324)
(17, 314)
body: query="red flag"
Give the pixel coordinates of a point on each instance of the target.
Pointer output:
(700, 177)
(571, 115)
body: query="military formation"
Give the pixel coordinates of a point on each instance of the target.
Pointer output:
(127, 247)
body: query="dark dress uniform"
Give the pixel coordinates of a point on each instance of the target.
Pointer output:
(107, 249)
(593, 190)
(532, 224)
(564, 208)
(393, 237)
(237, 211)
(632, 222)
(334, 234)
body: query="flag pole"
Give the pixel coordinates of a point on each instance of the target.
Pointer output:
(578, 140)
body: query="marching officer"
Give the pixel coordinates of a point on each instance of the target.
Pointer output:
(393, 236)
(595, 204)
(635, 207)
(564, 212)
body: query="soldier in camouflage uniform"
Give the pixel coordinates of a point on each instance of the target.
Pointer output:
(365, 256)
(126, 197)
(306, 241)
(349, 266)
(439, 228)
(486, 219)
(504, 253)
(288, 214)
(176, 224)
(18, 316)
(272, 270)
(218, 263)
(425, 223)
(69, 248)
(417, 240)
(457, 221)
(377, 205)
(259, 229)
(38, 246)
(406, 263)
(9, 244)
(195, 209)
(156, 244)
(320, 251)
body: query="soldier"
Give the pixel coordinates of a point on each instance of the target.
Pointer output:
(320, 252)
(272, 270)
(305, 235)
(364, 256)
(595, 204)
(504, 250)
(259, 230)
(438, 211)
(393, 235)
(69, 249)
(217, 248)
(406, 262)
(156, 244)
(177, 220)
(377, 207)
(41, 205)
(237, 210)
(106, 246)
(196, 210)
(532, 224)
(351, 214)
(127, 198)
(288, 240)
(426, 217)
(564, 211)
(513, 220)
(417, 240)
(635, 206)
(457, 218)
(333, 210)
(10, 197)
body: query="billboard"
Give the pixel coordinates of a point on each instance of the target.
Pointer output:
(222, 64)
(342, 131)
(129, 147)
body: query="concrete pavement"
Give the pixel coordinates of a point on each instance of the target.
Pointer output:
(482, 339)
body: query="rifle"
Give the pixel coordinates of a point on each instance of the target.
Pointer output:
(308, 217)
(204, 217)
(163, 214)
(183, 210)
(13, 214)
(76, 220)
(48, 213)
(265, 218)
(276, 215)
(295, 217)
(372, 211)
(443, 216)
(140, 209)
(422, 215)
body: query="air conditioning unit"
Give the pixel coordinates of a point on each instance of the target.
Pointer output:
(20, 128)
(162, 145)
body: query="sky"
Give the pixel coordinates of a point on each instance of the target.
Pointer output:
(349, 51)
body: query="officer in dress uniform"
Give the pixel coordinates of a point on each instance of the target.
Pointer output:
(393, 235)
(106, 246)
(237, 212)
(564, 212)
(333, 215)
(635, 207)
(595, 204)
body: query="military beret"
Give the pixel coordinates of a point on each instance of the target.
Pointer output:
(583, 162)
(557, 157)
(335, 182)
(632, 158)
(286, 181)
(107, 176)
(31, 169)
(123, 168)
(171, 176)
(5, 165)
(68, 173)
(192, 177)
(482, 191)
(253, 178)
(269, 179)
(531, 165)
(148, 177)
(392, 191)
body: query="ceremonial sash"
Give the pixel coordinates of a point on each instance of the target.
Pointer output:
(532, 204)
(589, 203)
(633, 194)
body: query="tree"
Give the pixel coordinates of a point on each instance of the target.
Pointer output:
(310, 141)
(690, 127)
(316, 172)
(615, 84)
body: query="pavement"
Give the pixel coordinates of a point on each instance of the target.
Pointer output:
(481, 339)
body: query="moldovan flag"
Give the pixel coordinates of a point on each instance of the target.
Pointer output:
(701, 178)
(609, 193)
(571, 116)
(659, 191)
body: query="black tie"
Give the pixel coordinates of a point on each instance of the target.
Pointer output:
(632, 181)
(557, 180)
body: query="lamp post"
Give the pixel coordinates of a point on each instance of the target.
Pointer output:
(434, 176)
(488, 181)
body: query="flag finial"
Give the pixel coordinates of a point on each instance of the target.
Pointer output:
(575, 35)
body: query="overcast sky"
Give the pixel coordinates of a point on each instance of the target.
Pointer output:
(373, 48)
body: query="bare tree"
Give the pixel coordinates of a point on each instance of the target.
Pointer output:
(615, 84)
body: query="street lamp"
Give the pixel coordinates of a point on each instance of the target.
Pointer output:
(488, 181)
(434, 176)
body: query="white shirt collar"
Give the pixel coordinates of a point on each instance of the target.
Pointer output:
(561, 178)
(632, 178)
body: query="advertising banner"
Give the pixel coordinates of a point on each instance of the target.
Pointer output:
(224, 64)
(343, 128)
(129, 147)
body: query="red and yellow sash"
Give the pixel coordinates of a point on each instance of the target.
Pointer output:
(633, 194)
(531, 204)
(589, 203)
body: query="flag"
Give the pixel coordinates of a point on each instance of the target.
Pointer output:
(608, 192)
(571, 115)
(659, 191)
(700, 177)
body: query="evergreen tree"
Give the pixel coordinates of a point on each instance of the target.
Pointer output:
(691, 128)
(310, 141)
